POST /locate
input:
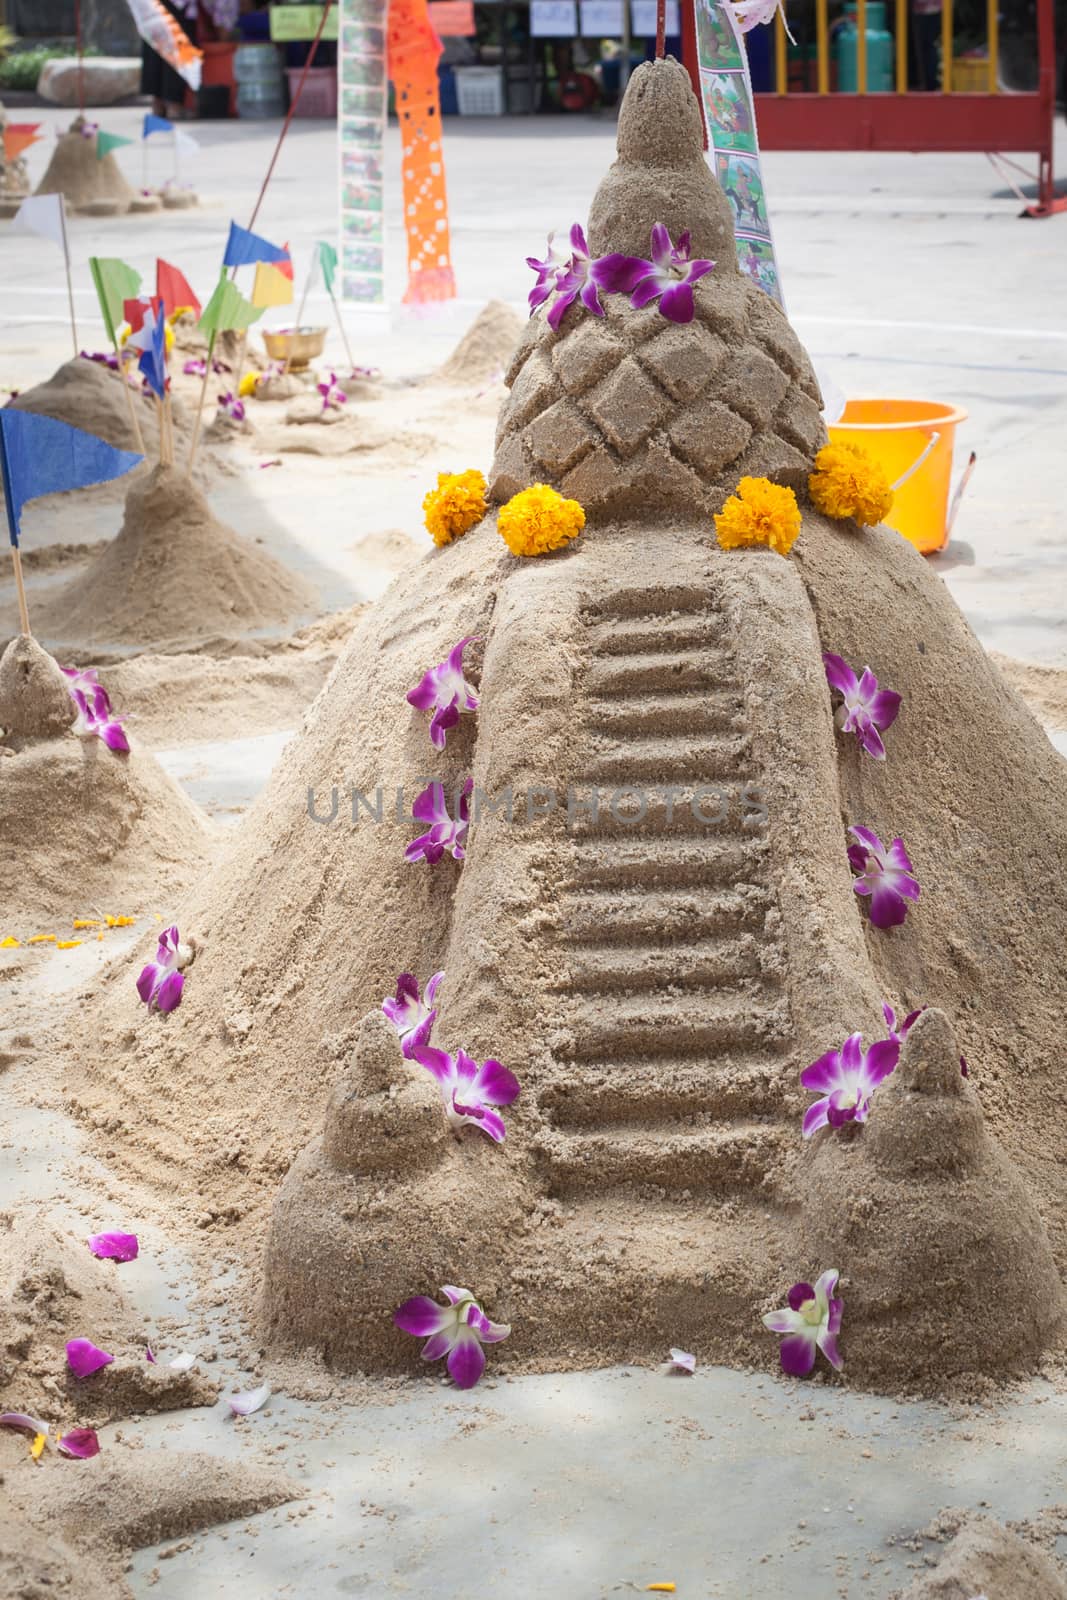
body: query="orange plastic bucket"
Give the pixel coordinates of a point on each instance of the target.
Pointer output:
(896, 432)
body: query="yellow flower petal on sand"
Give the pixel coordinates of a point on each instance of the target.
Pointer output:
(37, 1447)
(847, 482)
(455, 506)
(10, 943)
(42, 938)
(124, 922)
(67, 944)
(760, 512)
(84, 922)
(248, 385)
(660, 1588)
(538, 520)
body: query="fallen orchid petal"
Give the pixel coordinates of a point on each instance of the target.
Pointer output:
(20, 1419)
(81, 1443)
(149, 1355)
(114, 1246)
(810, 1322)
(183, 1362)
(84, 1358)
(682, 1361)
(161, 981)
(243, 1405)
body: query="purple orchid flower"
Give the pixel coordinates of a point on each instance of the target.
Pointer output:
(847, 1079)
(906, 1027)
(79, 1443)
(232, 406)
(194, 368)
(470, 1091)
(811, 1322)
(333, 396)
(162, 981)
(412, 1017)
(669, 276)
(105, 358)
(457, 1331)
(885, 874)
(446, 690)
(84, 1358)
(95, 717)
(114, 1246)
(567, 281)
(445, 834)
(867, 710)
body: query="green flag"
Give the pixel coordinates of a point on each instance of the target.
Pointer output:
(115, 282)
(328, 262)
(228, 308)
(106, 142)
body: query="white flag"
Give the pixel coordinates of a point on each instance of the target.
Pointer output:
(42, 214)
(185, 142)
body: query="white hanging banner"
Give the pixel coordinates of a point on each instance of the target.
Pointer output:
(601, 19)
(553, 19)
(643, 19)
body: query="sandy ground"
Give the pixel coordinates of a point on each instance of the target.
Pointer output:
(904, 276)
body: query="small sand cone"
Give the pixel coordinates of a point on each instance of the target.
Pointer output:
(90, 183)
(34, 700)
(384, 1112)
(946, 1265)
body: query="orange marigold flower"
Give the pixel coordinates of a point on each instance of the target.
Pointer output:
(760, 512)
(847, 482)
(455, 506)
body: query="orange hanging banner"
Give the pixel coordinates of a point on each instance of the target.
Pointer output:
(414, 49)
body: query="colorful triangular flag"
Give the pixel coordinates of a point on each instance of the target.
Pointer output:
(153, 124)
(172, 287)
(135, 311)
(272, 287)
(185, 141)
(328, 263)
(106, 142)
(243, 248)
(228, 308)
(151, 340)
(42, 214)
(115, 283)
(41, 455)
(18, 136)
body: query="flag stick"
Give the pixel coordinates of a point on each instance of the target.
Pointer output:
(169, 409)
(344, 335)
(20, 590)
(300, 314)
(162, 423)
(135, 421)
(66, 259)
(200, 402)
(242, 351)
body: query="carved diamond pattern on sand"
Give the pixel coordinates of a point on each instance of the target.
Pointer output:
(629, 403)
(670, 941)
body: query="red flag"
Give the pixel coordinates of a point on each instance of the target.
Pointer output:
(134, 310)
(172, 287)
(286, 267)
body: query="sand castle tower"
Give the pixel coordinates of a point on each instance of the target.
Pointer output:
(660, 931)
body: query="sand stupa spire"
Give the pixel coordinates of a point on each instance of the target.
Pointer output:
(34, 700)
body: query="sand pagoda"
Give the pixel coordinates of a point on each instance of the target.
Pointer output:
(657, 969)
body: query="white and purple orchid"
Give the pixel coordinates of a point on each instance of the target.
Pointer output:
(412, 1015)
(162, 980)
(669, 276)
(446, 691)
(445, 833)
(333, 396)
(95, 719)
(105, 358)
(243, 1405)
(682, 1361)
(810, 1322)
(457, 1331)
(886, 874)
(232, 406)
(867, 710)
(751, 13)
(846, 1079)
(565, 281)
(469, 1091)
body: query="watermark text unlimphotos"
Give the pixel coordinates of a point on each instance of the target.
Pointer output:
(630, 805)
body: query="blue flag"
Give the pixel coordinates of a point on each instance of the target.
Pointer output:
(153, 358)
(154, 124)
(242, 248)
(40, 455)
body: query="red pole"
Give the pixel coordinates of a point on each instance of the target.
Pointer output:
(1048, 201)
(661, 28)
(81, 57)
(292, 108)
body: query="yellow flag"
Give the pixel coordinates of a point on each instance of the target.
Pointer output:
(271, 288)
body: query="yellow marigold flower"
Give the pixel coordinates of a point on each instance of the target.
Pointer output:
(760, 512)
(538, 520)
(847, 482)
(125, 331)
(455, 506)
(247, 385)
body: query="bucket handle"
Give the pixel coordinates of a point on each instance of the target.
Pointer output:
(965, 478)
(917, 463)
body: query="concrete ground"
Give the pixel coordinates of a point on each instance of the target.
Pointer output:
(904, 275)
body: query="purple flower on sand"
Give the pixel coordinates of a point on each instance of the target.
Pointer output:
(81, 1443)
(811, 1321)
(412, 1017)
(333, 396)
(444, 689)
(445, 834)
(194, 368)
(232, 406)
(846, 1079)
(886, 874)
(114, 1246)
(867, 710)
(565, 281)
(457, 1331)
(682, 1361)
(668, 277)
(468, 1090)
(162, 981)
(95, 717)
(84, 1358)
(106, 358)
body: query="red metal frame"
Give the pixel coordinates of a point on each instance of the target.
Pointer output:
(917, 122)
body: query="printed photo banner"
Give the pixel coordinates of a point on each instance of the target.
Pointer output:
(733, 145)
(361, 123)
(159, 30)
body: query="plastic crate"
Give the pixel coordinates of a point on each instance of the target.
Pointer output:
(319, 95)
(479, 91)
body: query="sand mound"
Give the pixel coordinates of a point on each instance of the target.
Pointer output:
(986, 1559)
(485, 349)
(173, 573)
(94, 827)
(174, 699)
(88, 395)
(76, 172)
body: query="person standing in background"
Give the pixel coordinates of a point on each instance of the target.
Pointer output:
(924, 66)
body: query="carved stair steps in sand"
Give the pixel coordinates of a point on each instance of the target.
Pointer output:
(630, 857)
(687, 1090)
(719, 711)
(729, 1156)
(596, 916)
(684, 759)
(632, 967)
(670, 1023)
